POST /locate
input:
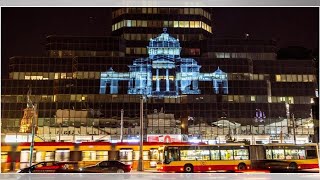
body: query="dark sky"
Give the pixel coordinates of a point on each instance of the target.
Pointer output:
(24, 29)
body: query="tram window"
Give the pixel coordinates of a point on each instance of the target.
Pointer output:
(295, 154)
(102, 155)
(49, 156)
(136, 155)
(226, 154)
(88, 155)
(62, 155)
(145, 155)
(125, 155)
(278, 153)
(4, 157)
(40, 156)
(154, 154)
(241, 154)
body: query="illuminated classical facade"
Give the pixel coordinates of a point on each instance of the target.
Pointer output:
(163, 66)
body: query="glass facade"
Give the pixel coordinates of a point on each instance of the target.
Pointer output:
(231, 88)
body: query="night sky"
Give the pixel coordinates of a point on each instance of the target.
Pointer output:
(24, 29)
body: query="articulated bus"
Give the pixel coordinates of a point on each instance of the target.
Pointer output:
(237, 157)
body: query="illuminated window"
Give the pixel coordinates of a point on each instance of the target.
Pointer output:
(305, 78)
(128, 23)
(181, 23)
(191, 10)
(197, 24)
(88, 155)
(294, 78)
(126, 155)
(134, 23)
(311, 78)
(155, 10)
(176, 24)
(102, 155)
(284, 78)
(252, 98)
(186, 24)
(186, 10)
(226, 154)
(289, 78)
(149, 10)
(144, 10)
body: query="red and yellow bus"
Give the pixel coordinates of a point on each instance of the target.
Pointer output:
(303, 156)
(201, 158)
(235, 157)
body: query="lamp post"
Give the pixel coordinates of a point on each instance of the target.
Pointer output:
(121, 129)
(140, 163)
(288, 116)
(294, 129)
(32, 135)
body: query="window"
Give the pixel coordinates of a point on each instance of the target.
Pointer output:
(252, 98)
(278, 153)
(154, 154)
(295, 154)
(226, 154)
(88, 155)
(241, 154)
(62, 155)
(278, 78)
(4, 157)
(305, 78)
(215, 155)
(175, 23)
(125, 155)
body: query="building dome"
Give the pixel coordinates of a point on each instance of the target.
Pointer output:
(164, 45)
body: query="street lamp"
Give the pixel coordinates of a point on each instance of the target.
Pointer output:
(32, 136)
(140, 163)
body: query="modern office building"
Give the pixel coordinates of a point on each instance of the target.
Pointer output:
(194, 86)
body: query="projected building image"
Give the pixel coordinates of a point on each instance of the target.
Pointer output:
(163, 73)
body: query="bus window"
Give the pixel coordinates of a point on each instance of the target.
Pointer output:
(215, 155)
(188, 153)
(171, 154)
(311, 152)
(202, 153)
(278, 153)
(226, 153)
(241, 153)
(295, 154)
(269, 154)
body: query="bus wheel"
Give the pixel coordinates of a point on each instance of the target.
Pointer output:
(188, 168)
(293, 166)
(242, 166)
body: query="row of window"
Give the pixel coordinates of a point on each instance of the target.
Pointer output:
(295, 78)
(143, 50)
(99, 98)
(187, 11)
(50, 133)
(191, 51)
(160, 24)
(147, 37)
(243, 54)
(72, 53)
